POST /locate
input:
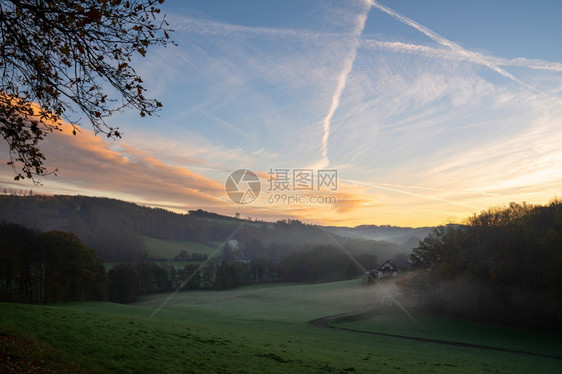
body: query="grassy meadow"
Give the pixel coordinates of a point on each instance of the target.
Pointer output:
(455, 330)
(258, 329)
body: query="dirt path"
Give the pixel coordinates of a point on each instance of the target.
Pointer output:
(323, 323)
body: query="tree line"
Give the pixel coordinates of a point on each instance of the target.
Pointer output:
(502, 265)
(55, 266)
(323, 263)
(47, 267)
(233, 268)
(127, 281)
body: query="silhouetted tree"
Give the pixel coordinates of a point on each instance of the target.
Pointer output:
(56, 56)
(73, 271)
(50, 267)
(123, 283)
(503, 265)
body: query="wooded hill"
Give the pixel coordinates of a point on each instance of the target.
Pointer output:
(118, 230)
(503, 265)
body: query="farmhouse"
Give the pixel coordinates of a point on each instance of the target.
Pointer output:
(386, 270)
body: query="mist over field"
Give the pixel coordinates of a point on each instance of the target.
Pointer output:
(261, 186)
(490, 285)
(499, 267)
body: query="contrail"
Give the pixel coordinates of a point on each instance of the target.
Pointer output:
(475, 57)
(415, 187)
(379, 87)
(192, 25)
(342, 81)
(428, 197)
(454, 46)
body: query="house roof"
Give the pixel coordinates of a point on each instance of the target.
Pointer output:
(387, 266)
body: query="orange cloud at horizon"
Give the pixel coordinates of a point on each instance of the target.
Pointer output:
(95, 166)
(86, 162)
(89, 165)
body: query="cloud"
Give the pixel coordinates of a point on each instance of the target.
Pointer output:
(348, 202)
(415, 194)
(444, 137)
(208, 27)
(267, 93)
(527, 161)
(86, 162)
(448, 54)
(341, 81)
(473, 56)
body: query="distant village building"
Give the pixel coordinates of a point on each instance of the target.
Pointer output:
(386, 270)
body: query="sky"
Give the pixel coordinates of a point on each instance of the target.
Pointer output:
(347, 113)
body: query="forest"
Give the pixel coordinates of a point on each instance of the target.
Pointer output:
(56, 266)
(500, 265)
(47, 267)
(115, 229)
(503, 265)
(286, 250)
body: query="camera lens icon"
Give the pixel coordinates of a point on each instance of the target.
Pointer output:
(243, 186)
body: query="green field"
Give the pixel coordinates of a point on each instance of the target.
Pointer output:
(449, 329)
(168, 249)
(258, 329)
